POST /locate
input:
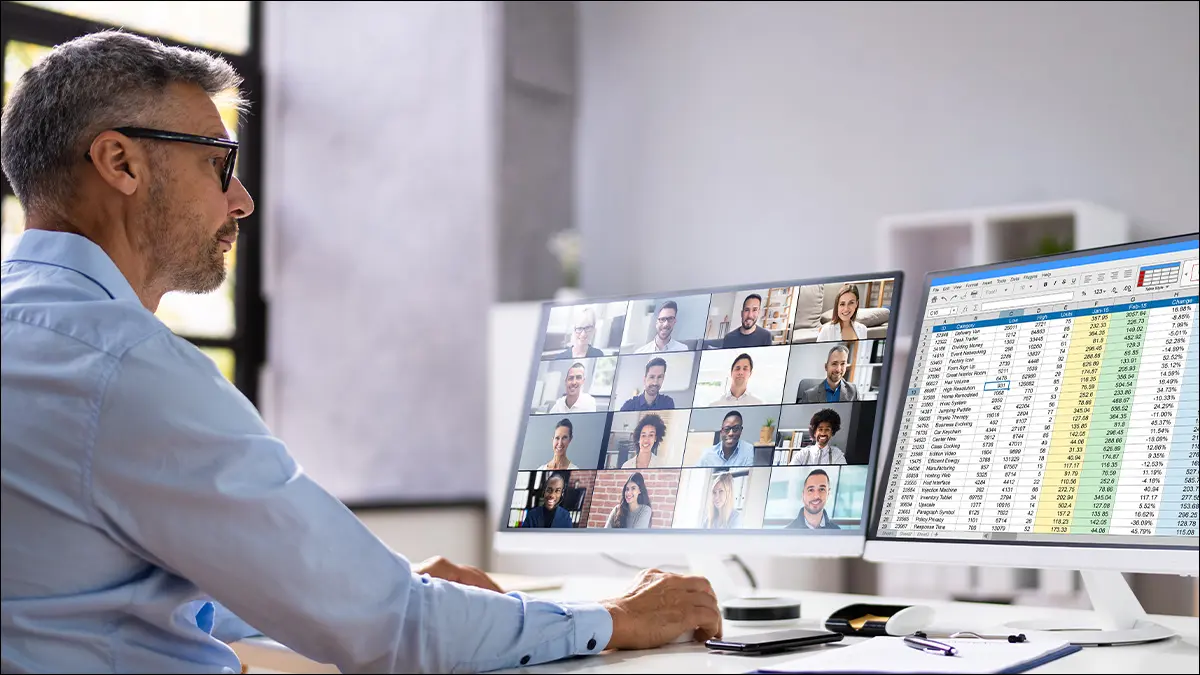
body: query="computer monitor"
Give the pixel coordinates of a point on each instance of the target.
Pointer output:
(706, 422)
(1050, 420)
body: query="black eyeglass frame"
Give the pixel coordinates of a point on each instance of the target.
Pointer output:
(160, 135)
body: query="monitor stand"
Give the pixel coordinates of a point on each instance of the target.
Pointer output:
(739, 603)
(1118, 617)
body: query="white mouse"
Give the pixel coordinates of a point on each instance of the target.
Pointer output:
(910, 620)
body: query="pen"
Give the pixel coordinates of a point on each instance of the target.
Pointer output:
(930, 646)
(1019, 637)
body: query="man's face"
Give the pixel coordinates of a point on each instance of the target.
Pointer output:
(816, 491)
(188, 223)
(553, 494)
(740, 374)
(835, 366)
(750, 310)
(574, 382)
(665, 323)
(823, 433)
(654, 380)
(562, 438)
(731, 432)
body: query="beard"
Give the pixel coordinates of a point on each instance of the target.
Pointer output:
(185, 257)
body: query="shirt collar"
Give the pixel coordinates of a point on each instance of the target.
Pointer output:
(76, 253)
(718, 450)
(832, 390)
(818, 527)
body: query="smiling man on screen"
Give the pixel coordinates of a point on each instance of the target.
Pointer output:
(149, 516)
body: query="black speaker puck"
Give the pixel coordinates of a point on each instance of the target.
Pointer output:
(761, 609)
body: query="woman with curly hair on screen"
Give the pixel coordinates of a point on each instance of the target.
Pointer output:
(647, 436)
(634, 510)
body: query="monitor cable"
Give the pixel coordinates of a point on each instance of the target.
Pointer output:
(736, 559)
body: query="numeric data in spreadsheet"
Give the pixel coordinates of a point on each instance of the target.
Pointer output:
(1079, 422)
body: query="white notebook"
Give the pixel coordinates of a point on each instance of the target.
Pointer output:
(891, 655)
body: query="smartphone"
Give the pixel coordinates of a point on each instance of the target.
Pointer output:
(773, 642)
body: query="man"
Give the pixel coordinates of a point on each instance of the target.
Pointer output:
(550, 514)
(749, 334)
(576, 399)
(833, 388)
(816, 492)
(739, 382)
(582, 334)
(822, 426)
(731, 450)
(664, 326)
(652, 381)
(149, 516)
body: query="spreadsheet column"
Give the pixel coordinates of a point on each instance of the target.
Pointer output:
(1151, 421)
(925, 515)
(1056, 341)
(960, 423)
(1060, 483)
(1110, 423)
(1178, 513)
(1006, 402)
(901, 497)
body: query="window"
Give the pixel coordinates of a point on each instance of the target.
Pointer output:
(228, 325)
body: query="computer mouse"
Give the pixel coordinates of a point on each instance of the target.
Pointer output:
(910, 620)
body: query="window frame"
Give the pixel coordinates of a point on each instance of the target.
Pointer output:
(24, 23)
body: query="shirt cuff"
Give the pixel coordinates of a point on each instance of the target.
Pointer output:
(593, 627)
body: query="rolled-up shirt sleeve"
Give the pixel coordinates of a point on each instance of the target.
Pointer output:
(186, 475)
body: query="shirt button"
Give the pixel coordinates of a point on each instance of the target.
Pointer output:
(524, 659)
(591, 644)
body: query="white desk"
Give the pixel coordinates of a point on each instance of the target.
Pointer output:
(1178, 655)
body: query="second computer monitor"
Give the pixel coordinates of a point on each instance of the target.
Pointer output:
(746, 410)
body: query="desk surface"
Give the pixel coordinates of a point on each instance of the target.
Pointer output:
(1178, 655)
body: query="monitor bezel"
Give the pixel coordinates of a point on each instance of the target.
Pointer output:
(847, 542)
(1050, 554)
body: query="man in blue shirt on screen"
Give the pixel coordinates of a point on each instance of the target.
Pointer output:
(834, 388)
(731, 450)
(652, 382)
(149, 516)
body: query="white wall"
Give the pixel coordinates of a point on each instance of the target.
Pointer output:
(379, 214)
(723, 143)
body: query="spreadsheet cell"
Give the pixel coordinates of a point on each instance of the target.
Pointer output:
(1081, 421)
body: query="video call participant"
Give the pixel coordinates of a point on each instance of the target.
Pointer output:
(844, 325)
(739, 381)
(634, 511)
(652, 381)
(576, 399)
(82, 561)
(833, 388)
(816, 492)
(749, 334)
(823, 425)
(719, 513)
(647, 436)
(731, 450)
(564, 433)
(663, 328)
(550, 513)
(582, 334)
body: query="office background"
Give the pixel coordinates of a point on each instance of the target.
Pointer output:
(412, 160)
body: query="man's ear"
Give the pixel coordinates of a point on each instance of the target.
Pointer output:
(119, 162)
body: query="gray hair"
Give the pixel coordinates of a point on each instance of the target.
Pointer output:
(96, 82)
(838, 348)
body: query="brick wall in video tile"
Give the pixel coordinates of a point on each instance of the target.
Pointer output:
(662, 486)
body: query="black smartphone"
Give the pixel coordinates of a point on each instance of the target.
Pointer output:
(773, 642)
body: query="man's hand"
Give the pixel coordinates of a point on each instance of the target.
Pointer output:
(660, 607)
(466, 575)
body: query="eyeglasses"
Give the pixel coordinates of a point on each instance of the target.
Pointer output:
(731, 429)
(583, 329)
(156, 134)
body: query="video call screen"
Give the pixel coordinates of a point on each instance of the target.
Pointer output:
(745, 409)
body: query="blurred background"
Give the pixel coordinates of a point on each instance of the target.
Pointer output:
(428, 172)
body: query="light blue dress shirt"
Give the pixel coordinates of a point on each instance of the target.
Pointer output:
(714, 457)
(146, 507)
